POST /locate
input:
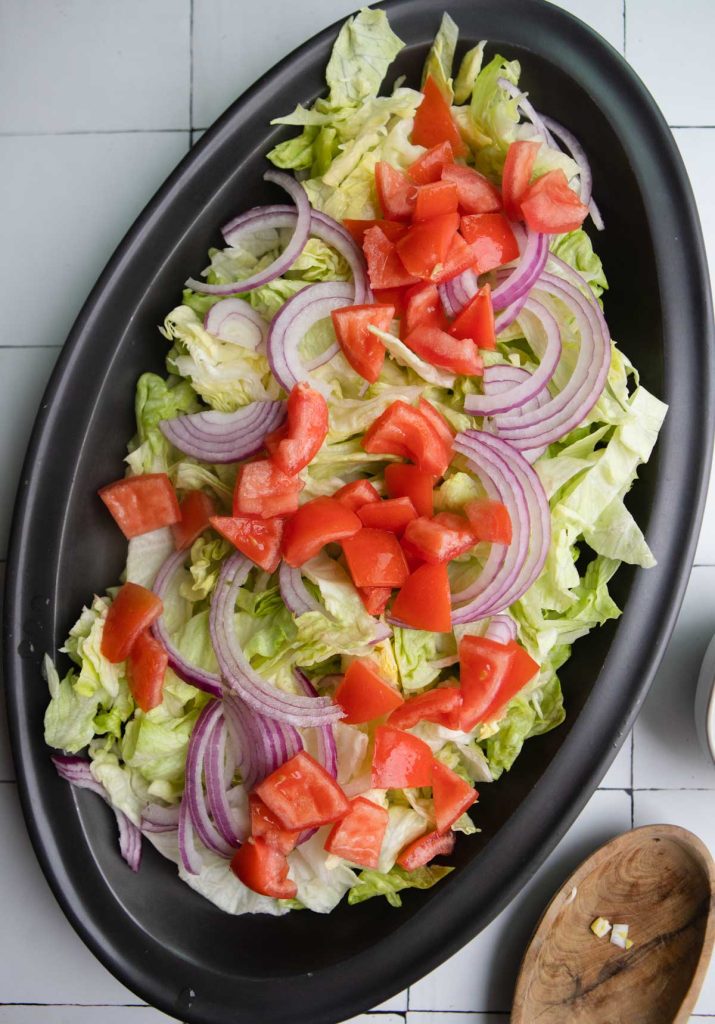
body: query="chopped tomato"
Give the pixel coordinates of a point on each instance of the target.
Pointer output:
(375, 598)
(375, 559)
(364, 694)
(196, 508)
(428, 167)
(256, 538)
(264, 869)
(302, 794)
(307, 427)
(393, 514)
(519, 164)
(142, 503)
(358, 837)
(272, 440)
(423, 307)
(391, 297)
(475, 193)
(426, 244)
(131, 612)
(146, 667)
(439, 539)
(441, 706)
(400, 760)
(459, 258)
(412, 559)
(459, 355)
(317, 523)
(393, 229)
(262, 489)
(395, 192)
(265, 826)
(424, 600)
(421, 851)
(411, 482)
(437, 420)
(491, 240)
(361, 348)
(384, 267)
(403, 430)
(550, 205)
(451, 794)
(433, 121)
(490, 674)
(476, 321)
(356, 494)
(435, 200)
(490, 520)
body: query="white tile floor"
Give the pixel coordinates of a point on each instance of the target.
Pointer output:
(95, 94)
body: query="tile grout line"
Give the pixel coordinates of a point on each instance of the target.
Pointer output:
(90, 131)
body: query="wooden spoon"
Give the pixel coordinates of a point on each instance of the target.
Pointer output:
(660, 881)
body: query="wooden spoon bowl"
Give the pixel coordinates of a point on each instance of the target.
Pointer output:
(660, 881)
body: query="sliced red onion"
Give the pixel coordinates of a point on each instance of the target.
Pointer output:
(160, 819)
(292, 322)
(521, 393)
(201, 734)
(507, 316)
(294, 592)
(217, 784)
(500, 378)
(289, 255)
(77, 771)
(501, 629)
(263, 743)
(192, 674)
(221, 437)
(382, 632)
(509, 570)
(236, 321)
(189, 856)
(458, 291)
(526, 272)
(239, 676)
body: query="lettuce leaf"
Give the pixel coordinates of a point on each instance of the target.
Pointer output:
(157, 399)
(441, 57)
(390, 884)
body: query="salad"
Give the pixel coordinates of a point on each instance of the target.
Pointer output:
(375, 500)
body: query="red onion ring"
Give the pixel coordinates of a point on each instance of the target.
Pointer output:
(221, 437)
(189, 856)
(160, 819)
(237, 322)
(458, 291)
(525, 274)
(294, 592)
(286, 259)
(501, 629)
(238, 674)
(192, 674)
(216, 783)
(500, 378)
(205, 829)
(507, 316)
(263, 744)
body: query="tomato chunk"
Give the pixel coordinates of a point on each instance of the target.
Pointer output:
(143, 503)
(358, 837)
(196, 510)
(410, 482)
(361, 348)
(426, 244)
(490, 520)
(356, 494)
(392, 229)
(265, 826)
(364, 694)
(550, 205)
(441, 349)
(476, 321)
(428, 167)
(424, 307)
(437, 420)
(439, 539)
(256, 538)
(384, 267)
(400, 759)
(424, 600)
(274, 438)
(375, 559)
(403, 430)
(519, 163)
(491, 240)
(393, 514)
(490, 674)
(391, 297)
(131, 612)
(262, 489)
(375, 598)
(424, 849)
(317, 523)
(263, 869)
(460, 257)
(435, 200)
(451, 794)
(395, 192)
(146, 667)
(307, 427)
(441, 705)
(433, 121)
(302, 794)
(475, 193)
